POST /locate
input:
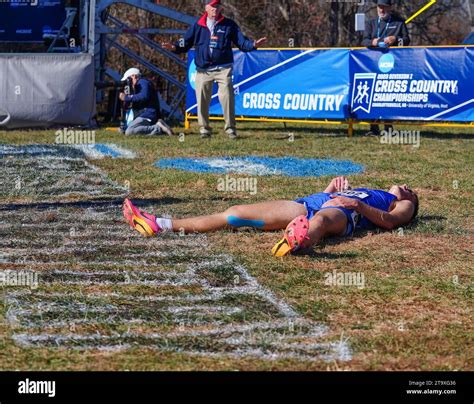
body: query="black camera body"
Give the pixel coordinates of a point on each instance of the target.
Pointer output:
(125, 84)
(127, 87)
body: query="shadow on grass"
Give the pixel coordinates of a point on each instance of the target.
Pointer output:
(296, 129)
(442, 136)
(423, 134)
(428, 224)
(326, 255)
(99, 203)
(431, 223)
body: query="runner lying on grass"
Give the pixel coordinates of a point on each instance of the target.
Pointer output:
(338, 211)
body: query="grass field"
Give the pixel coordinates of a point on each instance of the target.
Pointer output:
(109, 300)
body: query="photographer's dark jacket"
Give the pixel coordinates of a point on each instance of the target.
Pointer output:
(226, 33)
(145, 103)
(378, 28)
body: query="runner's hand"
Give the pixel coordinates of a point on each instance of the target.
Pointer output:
(343, 202)
(340, 184)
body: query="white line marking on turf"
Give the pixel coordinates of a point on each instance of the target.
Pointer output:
(334, 351)
(198, 312)
(240, 166)
(253, 283)
(91, 152)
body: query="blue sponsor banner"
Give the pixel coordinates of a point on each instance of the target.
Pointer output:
(307, 84)
(427, 84)
(29, 20)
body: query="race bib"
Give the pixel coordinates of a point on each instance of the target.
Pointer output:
(353, 194)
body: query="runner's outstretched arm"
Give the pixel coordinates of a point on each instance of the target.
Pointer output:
(399, 216)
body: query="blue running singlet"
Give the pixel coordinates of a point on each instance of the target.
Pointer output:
(375, 198)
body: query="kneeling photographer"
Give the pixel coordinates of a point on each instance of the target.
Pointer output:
(143, 103)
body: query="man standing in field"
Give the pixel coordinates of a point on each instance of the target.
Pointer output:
(213, 36)
(384, 31)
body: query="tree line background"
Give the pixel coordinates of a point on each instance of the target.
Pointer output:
(318, 23)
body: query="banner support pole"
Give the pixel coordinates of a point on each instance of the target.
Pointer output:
(351, 128)
(187, 124)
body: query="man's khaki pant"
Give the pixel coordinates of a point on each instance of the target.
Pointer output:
(204, 84)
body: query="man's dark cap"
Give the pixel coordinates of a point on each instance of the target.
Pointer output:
(384, 2)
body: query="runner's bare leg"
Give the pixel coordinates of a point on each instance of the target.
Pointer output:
(326, 223)
(275, 215)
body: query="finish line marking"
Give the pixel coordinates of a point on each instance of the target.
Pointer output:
(87, 299)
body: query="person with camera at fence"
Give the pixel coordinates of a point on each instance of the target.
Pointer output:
(386, 30)
(143, 107)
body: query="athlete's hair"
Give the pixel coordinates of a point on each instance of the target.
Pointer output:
(417, 206)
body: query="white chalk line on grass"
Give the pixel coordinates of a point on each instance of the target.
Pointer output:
(28, 253)
(131, 283)
(212, 276)
(115, 265)
(91, 239)
(94, 154)
(252, 282)
(319, 330)
(11, 150)
(77, 177)
(81, 308)
(253, 288)
(42, 244)
(131, 274)
(283, 346)
(13, 300)
(259, 353)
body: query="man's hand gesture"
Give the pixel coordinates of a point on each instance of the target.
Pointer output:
(260, 42)
(168, 46)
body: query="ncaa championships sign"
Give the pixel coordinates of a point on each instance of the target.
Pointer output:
(427, 84)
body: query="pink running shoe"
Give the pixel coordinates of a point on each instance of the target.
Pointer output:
(139, 220)
(295, 235)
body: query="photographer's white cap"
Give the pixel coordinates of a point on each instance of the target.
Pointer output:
(131, 72)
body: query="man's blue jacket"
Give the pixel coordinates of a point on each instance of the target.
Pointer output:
(144, 101)
(226, 33)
